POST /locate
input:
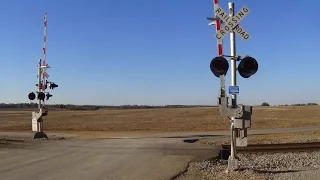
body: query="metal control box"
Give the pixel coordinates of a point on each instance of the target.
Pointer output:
(245, 121)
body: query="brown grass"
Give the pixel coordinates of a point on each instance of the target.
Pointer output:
(305, 136)
(184, 119)
(293, 137)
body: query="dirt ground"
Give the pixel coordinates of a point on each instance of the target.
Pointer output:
(159, 120)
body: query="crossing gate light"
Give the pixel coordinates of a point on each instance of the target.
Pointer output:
(52, 85)
(219, 66)
(247, 67)
(32, 96)
(48, 95)
(41, 96)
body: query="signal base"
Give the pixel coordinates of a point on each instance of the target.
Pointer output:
(232, 164)
(40, 135)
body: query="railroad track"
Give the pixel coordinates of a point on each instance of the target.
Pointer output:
(287, 147)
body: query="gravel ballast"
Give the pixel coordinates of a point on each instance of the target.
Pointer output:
(267, 165)
(300, 165)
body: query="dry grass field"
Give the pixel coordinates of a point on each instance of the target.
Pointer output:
(159, 120)
(293, 137)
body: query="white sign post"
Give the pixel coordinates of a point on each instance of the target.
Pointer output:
(232, 23)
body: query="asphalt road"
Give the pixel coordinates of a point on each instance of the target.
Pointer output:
(99, 159)
(140, 158)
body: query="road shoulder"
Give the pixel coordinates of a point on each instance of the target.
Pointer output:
(289, 165)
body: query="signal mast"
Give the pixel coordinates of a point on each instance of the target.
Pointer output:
(41, 95)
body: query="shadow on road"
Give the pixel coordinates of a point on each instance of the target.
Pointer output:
(161, 137)
(275, 172)
(191, 140)
(192, 136)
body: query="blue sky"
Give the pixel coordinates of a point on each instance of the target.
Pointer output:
(156, 52)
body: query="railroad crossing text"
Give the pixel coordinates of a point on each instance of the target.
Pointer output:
(234, 20)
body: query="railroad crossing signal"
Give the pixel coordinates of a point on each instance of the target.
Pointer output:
(239, 115)
(32, 96)
(41, 95)
(232, 23)
(219, 66)
(247, 67)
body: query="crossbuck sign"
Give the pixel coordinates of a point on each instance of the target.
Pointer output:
(232, 23)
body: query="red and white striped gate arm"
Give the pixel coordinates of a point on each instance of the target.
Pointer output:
(44, 50)
(44, 53)
(218, 26)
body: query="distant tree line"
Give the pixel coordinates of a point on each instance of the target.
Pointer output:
(96, 107)
(92, 107)
(307, 104)
(299, 104)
